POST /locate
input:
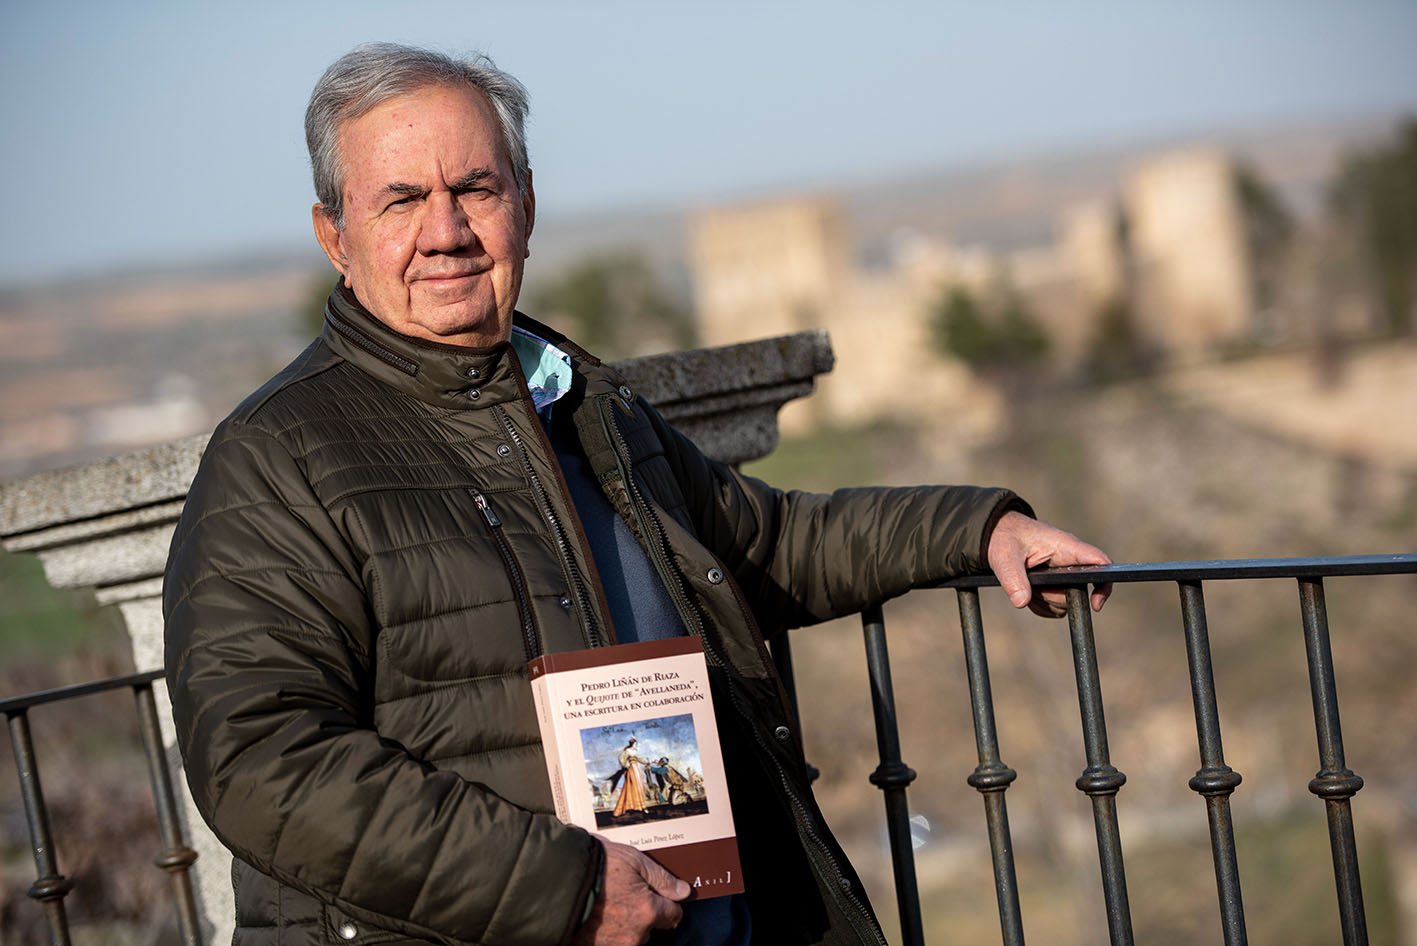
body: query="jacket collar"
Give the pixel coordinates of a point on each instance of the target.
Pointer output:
(448, 376)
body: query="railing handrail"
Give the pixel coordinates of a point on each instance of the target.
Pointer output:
(1068, 576)
(1207, 570)
(18, 704)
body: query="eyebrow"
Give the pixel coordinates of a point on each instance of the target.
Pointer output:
(405, 190)
(474, 178)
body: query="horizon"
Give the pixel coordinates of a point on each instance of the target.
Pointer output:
(264, 255)
(166, 133)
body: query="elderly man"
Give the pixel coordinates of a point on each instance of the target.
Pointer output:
(439, 489)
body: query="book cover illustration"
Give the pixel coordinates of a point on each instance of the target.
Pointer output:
(654, 770)
(632, 752)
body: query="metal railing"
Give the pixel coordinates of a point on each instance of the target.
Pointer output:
(176, 857)
(1100, 780)
(1335, 783)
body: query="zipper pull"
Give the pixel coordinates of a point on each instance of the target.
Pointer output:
(486, 508)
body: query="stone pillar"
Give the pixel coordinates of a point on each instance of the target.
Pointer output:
(108, 525)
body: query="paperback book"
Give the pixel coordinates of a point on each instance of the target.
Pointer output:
(633, 754)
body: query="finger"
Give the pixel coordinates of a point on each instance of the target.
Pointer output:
(1078, 552)
(1100, 594)
(667, 914)
(661, 881)
(1049, 604)
(1014, 580)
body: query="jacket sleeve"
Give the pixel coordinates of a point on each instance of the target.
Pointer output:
(804, 557)
(269, 644)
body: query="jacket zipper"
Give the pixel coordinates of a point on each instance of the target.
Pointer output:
(530, 639)
(579, 588)
(650, 526)
(658, 544)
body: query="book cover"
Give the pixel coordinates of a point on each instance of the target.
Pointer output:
(633, 754)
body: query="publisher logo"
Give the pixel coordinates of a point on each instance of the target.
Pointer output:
(712, 880)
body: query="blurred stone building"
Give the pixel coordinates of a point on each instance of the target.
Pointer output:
(1169, 247)
(1194, 282)
(774, 268)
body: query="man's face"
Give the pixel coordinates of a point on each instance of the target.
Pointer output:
(435, 231)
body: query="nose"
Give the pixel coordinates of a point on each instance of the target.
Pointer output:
(446, 228)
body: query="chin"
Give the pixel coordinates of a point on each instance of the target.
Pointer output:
(452, 326)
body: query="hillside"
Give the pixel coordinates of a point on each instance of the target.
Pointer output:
(1178, 468)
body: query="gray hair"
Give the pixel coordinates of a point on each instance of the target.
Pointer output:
(370, 75)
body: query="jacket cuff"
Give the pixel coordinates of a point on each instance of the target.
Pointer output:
(596, 888)
(1008, 502)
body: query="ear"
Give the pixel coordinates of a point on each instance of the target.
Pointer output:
(529, 209)
(331, 240)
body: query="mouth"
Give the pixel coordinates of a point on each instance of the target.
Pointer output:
(450, 277)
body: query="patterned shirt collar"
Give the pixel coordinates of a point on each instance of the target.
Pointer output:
(547, 368)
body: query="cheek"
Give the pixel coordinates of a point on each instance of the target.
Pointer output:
(509, 247)
(501, 231)
(388, 258)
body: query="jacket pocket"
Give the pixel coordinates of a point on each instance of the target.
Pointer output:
(530, 638)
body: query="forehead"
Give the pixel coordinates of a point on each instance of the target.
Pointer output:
(435, 128)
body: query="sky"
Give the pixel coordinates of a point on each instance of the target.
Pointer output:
(142, 133)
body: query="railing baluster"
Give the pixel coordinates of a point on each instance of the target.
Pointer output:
(991, 777)
(176, 856)
(892, 776)
(781, 650)
(51, 886)
(1335, 783)
(1100, 780)
(1214, 780)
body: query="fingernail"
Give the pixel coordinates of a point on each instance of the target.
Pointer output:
(1019, 598)
(682, 890)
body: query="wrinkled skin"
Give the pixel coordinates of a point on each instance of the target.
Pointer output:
(1019, 543)
(435, 228)
(638, 896)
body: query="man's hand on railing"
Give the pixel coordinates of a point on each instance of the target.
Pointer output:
(1019, 543)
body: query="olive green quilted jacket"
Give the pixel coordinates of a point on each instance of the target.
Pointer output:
(376, 543)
